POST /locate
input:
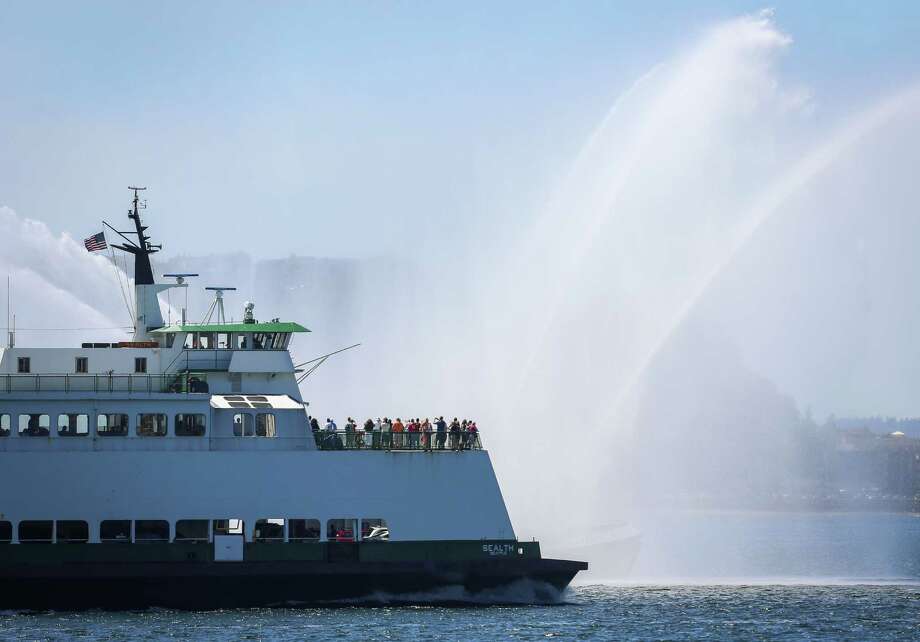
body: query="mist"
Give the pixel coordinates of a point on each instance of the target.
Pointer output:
(720, 266)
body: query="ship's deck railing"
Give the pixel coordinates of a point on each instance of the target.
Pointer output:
(396, 441)
(183, 383)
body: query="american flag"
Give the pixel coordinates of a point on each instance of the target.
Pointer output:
(96, 242)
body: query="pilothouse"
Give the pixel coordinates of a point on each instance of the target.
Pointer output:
(179, 469)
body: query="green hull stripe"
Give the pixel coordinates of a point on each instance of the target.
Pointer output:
(451, 551)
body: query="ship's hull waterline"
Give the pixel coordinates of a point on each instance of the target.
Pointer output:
(193, 584)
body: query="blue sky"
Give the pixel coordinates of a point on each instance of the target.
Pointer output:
(357, 128)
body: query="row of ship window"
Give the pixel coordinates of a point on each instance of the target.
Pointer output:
(125, 531)
(80, 366)
(196, 340)
(234, 341)
(147, 425)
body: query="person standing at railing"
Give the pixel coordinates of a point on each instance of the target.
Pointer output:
(386, 428)
(442, 432)
(464, 433)
(425, 429)
(413, 429)
(474, 435)
(330, 434)
(365, 434)
(314, 428)
(455, 434)
(378, 430)
(398, 437)
(350, 433)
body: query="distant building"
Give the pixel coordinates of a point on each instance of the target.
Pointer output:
(903, 465)
(866, 462)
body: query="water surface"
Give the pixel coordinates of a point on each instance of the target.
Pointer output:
(588, 612)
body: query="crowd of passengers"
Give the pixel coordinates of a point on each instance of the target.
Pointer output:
(386, 434)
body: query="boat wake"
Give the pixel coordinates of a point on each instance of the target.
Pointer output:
(521, 592)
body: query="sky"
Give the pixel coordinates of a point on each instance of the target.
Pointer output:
(358, 129)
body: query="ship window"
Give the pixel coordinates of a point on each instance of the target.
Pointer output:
(81, 365)
(303, 530)
(206, 340)
(35, 532)
(254, 398)
(340, 530)
(269, 530)
(151, 425)
(233, 398)
(242, 424)
(140, 365)
(73, 425)
(374, 530)
(228, 527)
(261, 404)
(170, 339)
(242, 341)
(258, 341)
(190, 425)
(115, 530)
(72, 532)
(24, 365)
(6, 532)
(151, 530)
(115, 425)
(190, 341)
(4, 425)
(223, 340)
(35, 425)
(192, 530)
(238, 404)
(279, 340)
(265, 425)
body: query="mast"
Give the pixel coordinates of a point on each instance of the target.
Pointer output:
(147, 305)
(143, 272)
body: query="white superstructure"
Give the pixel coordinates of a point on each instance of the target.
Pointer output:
(206, 422)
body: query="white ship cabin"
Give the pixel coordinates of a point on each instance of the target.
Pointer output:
(221, 381)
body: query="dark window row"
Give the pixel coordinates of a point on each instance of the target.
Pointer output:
(36, 531)
(107, 425)
(80, 366)
(235, 341)
(119, 531)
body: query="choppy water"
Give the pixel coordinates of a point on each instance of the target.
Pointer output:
(589, 612)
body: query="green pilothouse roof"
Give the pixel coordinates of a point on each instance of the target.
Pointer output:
(271, 326)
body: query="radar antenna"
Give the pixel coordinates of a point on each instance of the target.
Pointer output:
(180, 283)
(217, 305)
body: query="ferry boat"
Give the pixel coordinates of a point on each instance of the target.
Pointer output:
(179, 470)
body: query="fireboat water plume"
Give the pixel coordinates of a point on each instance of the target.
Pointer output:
(636, 228)
(771, 201)
(56, 285)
